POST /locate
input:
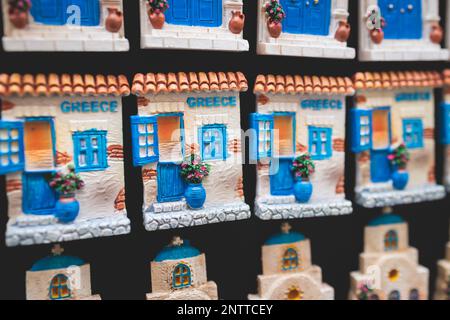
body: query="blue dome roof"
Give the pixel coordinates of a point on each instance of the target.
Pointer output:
(283, 237)
(175, 252)
(386, 219)
(56, 262)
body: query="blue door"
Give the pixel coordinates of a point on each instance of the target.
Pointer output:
(281, 178)
(403, 18)
(380, 167)
(38, 197)
(307, 16)
(170, 182)
(60, 12)
(203, 13)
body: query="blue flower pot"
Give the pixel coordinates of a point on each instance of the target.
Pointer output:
(67, 209)
(302, 190)
(400, 179)
(195, 195)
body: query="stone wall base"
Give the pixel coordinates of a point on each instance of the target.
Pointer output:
(418, 53)
(65, 44)
(306, 50)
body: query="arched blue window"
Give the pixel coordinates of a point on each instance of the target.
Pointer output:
(204, 13)
(290, 259)
(390, 240)
(59, 287)
(181, 276)
(62, 12)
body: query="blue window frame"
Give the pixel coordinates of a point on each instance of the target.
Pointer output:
(144, 135)
(59, 287)
(181, 276)
(203, 13)
(213, 142)
(90, 150)
(290, 259)
(413, 133)
(391, 240)
(445, 123)
(361, 126)
(320, 143)
(262, 135)
(12, 157)
(61, 12)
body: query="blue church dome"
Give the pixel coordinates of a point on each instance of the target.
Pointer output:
(386, 219)
(284, 237)
(176, 252)
(56, 262)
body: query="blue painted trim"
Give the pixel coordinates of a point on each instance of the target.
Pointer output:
(162, 183)
(386, 219)
(255, 119)
(139, 160)
(417, 129)
(391, 240)
(221, 128)
(60, 278)
(402, 25)
(328, 144)
(307, 14)
(102, 157)
(285, 238)
(184, 251)
(56, 262)
(282, 182)
(47, 194)
(52, 130)
(181, 276)
(356, 116)
(20, 165)
(444, 132)
(192, 13)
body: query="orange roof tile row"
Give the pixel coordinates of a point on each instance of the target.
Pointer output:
(53, 84)
(154, 83)
(394, 80)
(303, 84)
(446, 75)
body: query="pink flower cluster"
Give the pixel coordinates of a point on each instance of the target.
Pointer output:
(66, 182)
(194, 170)
(274, 11)
(21, 5)
(158, 6)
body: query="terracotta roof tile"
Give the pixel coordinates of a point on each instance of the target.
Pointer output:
(446, 76)
(53, 84)
(152, 83)
(296, 84)
(397, 79)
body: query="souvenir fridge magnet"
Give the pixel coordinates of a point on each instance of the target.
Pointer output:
(89, 25)
(389, 268)
(61, 152)
(443, 278)
(298, 144)
(59, 277)
(393, 137)
(194, 24)
(400, 30)
(179, 273)
(288, 273)
(309, 28)
(187, 139)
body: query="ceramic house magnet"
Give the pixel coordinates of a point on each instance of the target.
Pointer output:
(63, 25)
(445, 127)
(179, 273)
(187, 139)
(443, 279)
(400, 30)
(393, 137)
(298, 143)
(288, 273)
(389, 268)
(62, 155)
(193, 24)
(59, 277)
(308, 28)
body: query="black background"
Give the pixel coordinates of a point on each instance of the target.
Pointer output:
(120, 266)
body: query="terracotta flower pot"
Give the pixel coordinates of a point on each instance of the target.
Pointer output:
(18, 18)
(236, 23)
(156, 19)
(274, 28)
(343, 31)
(436, 34)
(377, 36)
(114, 20)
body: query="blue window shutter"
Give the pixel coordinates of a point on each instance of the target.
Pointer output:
(12, 157)
(51, 12)
(179, 12)
(90, 150)
(90, 11)
(144, 136)
(320, 143)
(293, 22)
(261, 144)
(445, 123)
(171, 185)
(208, 13)
(317, 18)
(361, 130)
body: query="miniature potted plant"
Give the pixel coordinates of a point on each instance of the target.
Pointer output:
(366, 293)
(18, 12)
(114, 21)
(65, 184)
(275, 14)
(193, 171)
(399, 158)
(303, 167)
(376, 24)
(237, 22)
(156, 12)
